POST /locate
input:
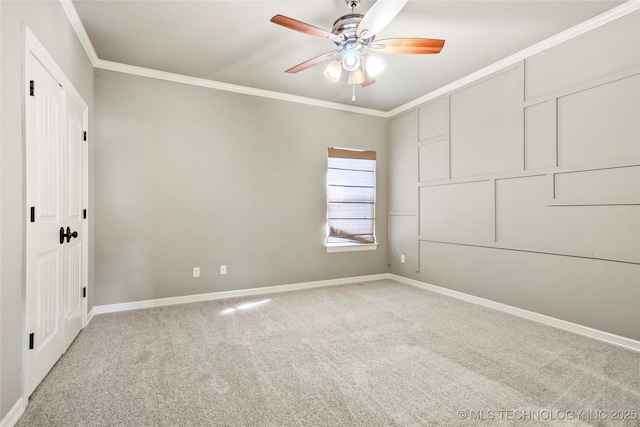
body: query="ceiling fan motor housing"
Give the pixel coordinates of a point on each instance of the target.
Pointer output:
(345, 27)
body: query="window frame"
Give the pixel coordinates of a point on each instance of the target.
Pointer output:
(349, 153)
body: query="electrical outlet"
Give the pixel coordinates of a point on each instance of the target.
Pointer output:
(196, 271)
(223, 269)
(402, 259)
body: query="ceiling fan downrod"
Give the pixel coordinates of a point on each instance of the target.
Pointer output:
(352, 4)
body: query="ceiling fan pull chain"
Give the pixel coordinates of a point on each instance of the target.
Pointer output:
(353, 97)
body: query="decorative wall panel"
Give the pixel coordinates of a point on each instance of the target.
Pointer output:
(540, 135)
(540, 205)
(597, 53)
(599, 187)
(601, 123)
(486, 126)
(457, 212)
(434, 161)
(434, 118)
(403, 137)
(524, 220)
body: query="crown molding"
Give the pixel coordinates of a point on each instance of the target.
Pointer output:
(602, 19)
(76, 24)
(595, 22)
(228, 87)
(81, 33)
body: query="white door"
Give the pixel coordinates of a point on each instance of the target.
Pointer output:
(72, 214)
(44, 201)
(55, 159)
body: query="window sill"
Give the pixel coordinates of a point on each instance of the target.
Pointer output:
(350, 247)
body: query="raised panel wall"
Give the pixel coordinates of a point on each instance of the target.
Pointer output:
(434, 161)
(612, 186)
(530, 177)
(559, 175)
(524, 220)
(597, 53)
(457, 212)
(540, 135)
(600, 123)
(403, 137)
(403, 228)
(599, 294)
(486, 126)
(403, 192)
(433, 119)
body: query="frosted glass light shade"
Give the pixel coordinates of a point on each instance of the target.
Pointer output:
(374, 66)
(356, 77)
(333, 71)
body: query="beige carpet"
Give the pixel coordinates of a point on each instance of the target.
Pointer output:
(372, 354)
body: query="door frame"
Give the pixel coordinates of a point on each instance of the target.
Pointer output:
(32, 46)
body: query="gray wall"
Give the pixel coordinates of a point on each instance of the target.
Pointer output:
(526, 188)
(50, 25)
(188, 176)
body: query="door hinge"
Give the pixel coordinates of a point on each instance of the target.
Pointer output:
(84, 292)
(84, 135)
(32, 88)
(84, 214)
(31, 339)
(33, 214)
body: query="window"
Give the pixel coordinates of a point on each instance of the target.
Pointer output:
(351, 194)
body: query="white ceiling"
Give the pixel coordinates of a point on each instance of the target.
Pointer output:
(234, 42)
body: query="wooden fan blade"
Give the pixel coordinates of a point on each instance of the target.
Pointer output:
(296, 25)
(314, 61)
(409, 46)
(378, 16)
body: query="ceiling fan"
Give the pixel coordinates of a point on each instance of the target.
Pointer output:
(354, 34)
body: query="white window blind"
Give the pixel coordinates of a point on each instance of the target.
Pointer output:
(351, 193)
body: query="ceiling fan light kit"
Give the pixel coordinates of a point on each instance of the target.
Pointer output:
(374, 66)
(354, 34)
(350, 60)
(356, 77)
(333, 70)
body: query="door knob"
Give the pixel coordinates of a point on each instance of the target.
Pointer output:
(68, 234)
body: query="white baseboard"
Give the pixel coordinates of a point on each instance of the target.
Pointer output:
(112, 308)
(90, 315)
(536, 317)
(13, 415)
